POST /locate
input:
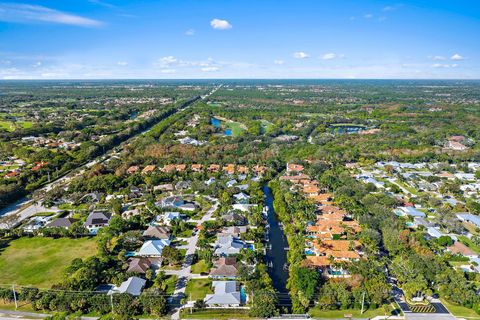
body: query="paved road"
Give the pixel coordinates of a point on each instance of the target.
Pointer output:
(185, 273)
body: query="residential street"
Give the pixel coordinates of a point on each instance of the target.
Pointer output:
(185, 273)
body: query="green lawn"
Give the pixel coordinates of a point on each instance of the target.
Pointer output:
(40, 261)
(170, 283)
(469, 243)
(198, 288)
(459, 311)
(215, 314)
(332, 314)
(236, 127)
(7, 125)
(200, 266)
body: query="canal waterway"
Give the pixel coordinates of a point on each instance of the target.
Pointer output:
(276, 253)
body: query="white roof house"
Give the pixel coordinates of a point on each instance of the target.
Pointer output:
(153, 248)
(228, 245)
(133, 286)
(409, 211)
(434, 232)
(226, 294)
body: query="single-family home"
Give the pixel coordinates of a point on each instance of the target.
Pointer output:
(61, 223)
(153, 248)
(241, 197)
(224, 268)
(228, 245)
(460, 248)
(133, 169)
(157, 232)
(132, 286)
(143, 264)
(292, 167)
(97, 220)
(409, 211)
(226, 294)
(148, 169)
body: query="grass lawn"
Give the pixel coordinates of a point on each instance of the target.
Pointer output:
(459, 311)
(215, 314)
(200, 266)
(22, 306)
(332, 314)
(7, 125)
(199, 288)
(469, 243)
(170, 283)
(236, 127)
(40, 261)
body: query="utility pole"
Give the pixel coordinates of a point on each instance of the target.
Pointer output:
(14, 296)
(363, 301)
(111, 302)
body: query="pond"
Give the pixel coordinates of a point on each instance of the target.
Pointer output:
(276, 255)
(217, 123)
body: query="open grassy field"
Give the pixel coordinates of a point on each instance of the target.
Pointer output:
(198, 288)
(41, 261)
(236, 127)
(340, 314)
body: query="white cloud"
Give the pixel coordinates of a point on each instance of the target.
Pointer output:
(37, 64)
(331, 56)
(445, 66)
(368, 16)
(210, 69)
(279, 62)
(190, 32)
(438, 58)
(26, 13)
(168, 71)
(220, 24)
(388, 8)
(122, 63)
(300, 55)
(457, 57)
(166, 62)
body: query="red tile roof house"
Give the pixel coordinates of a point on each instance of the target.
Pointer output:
(224, 268)
(142, 265)
(460, 248)
(148, 169)
(133, 169)
(291, 167)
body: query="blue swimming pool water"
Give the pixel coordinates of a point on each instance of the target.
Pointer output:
(215, 122)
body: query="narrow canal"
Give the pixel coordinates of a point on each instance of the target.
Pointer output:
(276, 254)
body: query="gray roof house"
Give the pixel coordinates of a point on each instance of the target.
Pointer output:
(226, 295)
(133, 286)
(228, 245)
(97, 220)
(155, 232)
(61, 223)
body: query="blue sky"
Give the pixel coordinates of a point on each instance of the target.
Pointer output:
(97, 39)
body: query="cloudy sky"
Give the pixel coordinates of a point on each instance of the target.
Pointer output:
(103, 39)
